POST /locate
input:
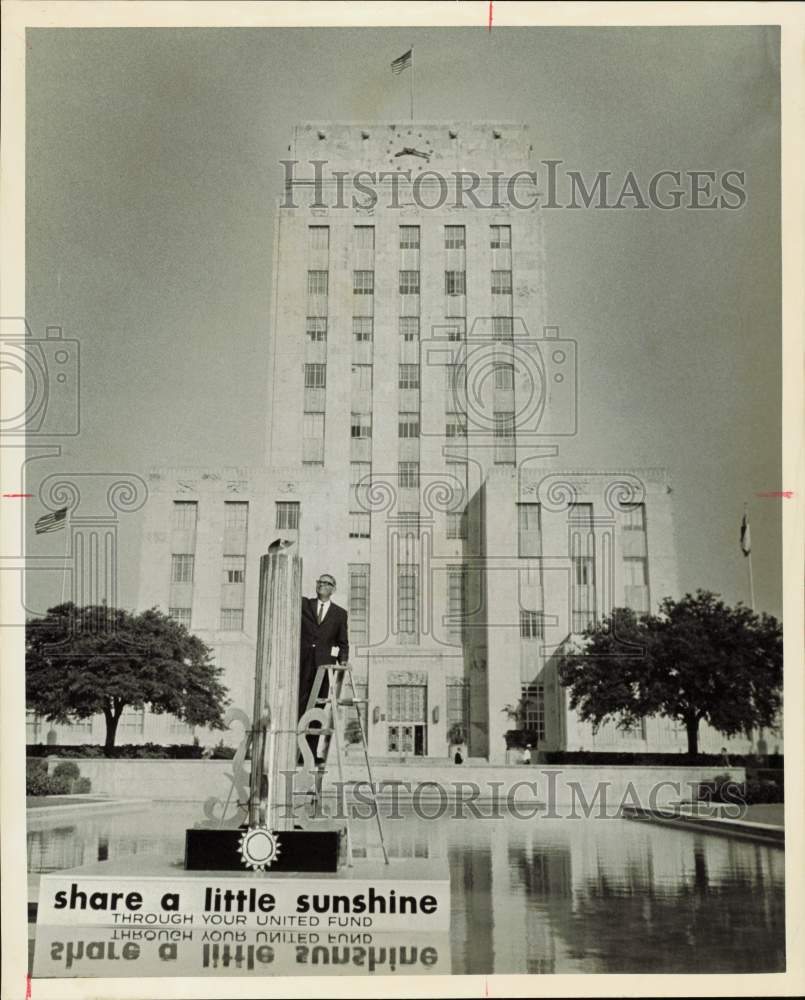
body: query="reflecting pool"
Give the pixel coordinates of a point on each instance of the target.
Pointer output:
(531, 896)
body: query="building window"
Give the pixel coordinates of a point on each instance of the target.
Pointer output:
(501, 282)
(456, 601)
(181, 615)
(533, 702)
(409, 327)
(315, 376)
(454, 238)
(409, 237)
(236, 514)
(234, 569)
(504, 436)
(359, 524)
(531, 625)
(455, 282)
(500, 237)
(504, 375)
(408, 474)
(456, 425)
(182, 568)
(364, 237)
(457, 524)
(287, 515)
(316, 328)
(409, 523)
(317, 282)
(635, 578)
(362, 328)
(633, 518)
(132, 722)
(361, 425)
(362, 378)
(502, 328)
(360, 473)
(231, 620)
(313, 438)
(529, 530)
(409, 282)
(407, 603)
(409, 377)
(408, 425)
(456, 376)
(458, 705)
(185, 513)
(363, 282)
(318, 237)
(456, 327)
(358, 575)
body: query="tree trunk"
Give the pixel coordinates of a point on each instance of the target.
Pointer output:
(112, 719)
(692, 727)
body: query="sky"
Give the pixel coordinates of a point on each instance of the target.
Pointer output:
(152, 175)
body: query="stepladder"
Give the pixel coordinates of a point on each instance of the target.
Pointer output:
(322, 728)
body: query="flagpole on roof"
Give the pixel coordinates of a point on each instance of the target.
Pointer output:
(412, 83)
(66, 545)
(746, 544)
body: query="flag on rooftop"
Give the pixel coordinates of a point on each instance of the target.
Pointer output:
(746, 539)
(403, 62)
(51, 522)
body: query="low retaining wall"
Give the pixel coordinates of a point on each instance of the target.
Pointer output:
(197, 780)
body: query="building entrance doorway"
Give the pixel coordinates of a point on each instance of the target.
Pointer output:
(407, 733)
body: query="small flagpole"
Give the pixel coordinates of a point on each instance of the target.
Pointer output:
(412, 83)
(749, 558)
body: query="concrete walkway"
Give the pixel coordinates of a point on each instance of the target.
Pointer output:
(683, 816)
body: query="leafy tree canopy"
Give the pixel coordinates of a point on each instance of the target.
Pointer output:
(697, 660)
(84, 661)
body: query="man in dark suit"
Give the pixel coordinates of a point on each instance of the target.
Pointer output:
(324, 639)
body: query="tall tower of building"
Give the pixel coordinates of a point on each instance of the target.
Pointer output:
(418, 401)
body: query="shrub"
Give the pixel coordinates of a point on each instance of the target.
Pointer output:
(82, 786)
(37, 781)
(66, 770)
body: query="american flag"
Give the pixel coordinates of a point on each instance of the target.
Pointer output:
(746, 538)
(51, 522)
(403, 62)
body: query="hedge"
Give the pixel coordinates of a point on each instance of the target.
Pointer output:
(132, 751)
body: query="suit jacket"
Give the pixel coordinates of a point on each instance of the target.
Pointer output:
(317, 640)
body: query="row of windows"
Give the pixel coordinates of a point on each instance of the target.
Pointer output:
(230, 619)
(360, 525)
(185, 514)
(454, 328)
(183, 567)
(363, 282)
(500, 237)
(408, 376)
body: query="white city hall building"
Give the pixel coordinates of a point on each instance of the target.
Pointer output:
(418, 401)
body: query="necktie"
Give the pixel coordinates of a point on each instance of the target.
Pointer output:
(319, 613)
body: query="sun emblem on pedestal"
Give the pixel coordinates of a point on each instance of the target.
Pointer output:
(259, 848)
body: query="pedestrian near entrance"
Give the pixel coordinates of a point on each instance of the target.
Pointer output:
(526, 758)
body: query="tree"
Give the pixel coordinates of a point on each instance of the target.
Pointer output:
(83, 661)
(698, 660)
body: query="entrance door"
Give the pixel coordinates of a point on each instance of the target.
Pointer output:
(407, 728)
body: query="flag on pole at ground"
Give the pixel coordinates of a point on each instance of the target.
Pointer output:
(746, 540)
(403, 62)
(51, 522)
